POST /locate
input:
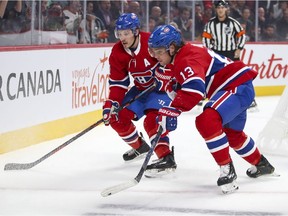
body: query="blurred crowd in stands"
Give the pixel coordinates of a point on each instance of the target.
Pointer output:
(93, 21)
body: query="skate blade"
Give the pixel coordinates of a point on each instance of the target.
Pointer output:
(274, 174)
(253, 109)
(270, 175)
(156, 173)
(229, 188)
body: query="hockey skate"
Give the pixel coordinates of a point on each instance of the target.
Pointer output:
(253, 107)
(227, 179)
(201, 104)
(162, 166)
(262, 168)
(137, 154)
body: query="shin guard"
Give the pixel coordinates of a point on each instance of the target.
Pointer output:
(151, 126)
(209, 125)
(126, 129)
(243, 145)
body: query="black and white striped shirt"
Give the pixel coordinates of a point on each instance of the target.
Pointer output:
(223, 36)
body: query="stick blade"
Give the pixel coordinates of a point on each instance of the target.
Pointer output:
(117, 188)
(18, 166)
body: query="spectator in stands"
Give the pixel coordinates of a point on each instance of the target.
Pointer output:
(162, 4)
(278, 9)
(155, 14)
(12, 19)
(135, 7)
(63, 3)
(233, 10)
(118, 7)
(72, 21)
(199, 23)
(267, 5)
(103, 11)
(184, 4)
(207, 3)
(246, 23)
(26, 24)
(241, 4)
(270, 34)
(54, 19)
(174, 12)
(41, 17)
(262, 20)
(3, 5)
(253, 34)
(282, 26)
(151, 25)
(184, 23)
(94, 31)
(208, 14)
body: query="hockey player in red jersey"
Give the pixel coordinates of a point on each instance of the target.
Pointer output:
(129, 58)
(227, 85)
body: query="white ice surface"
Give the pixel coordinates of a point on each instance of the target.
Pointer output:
(70, 181)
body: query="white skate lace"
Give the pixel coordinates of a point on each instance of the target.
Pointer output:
(252, 169)
(224, 170)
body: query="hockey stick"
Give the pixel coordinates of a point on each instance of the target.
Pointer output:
(25, 166)
(125, 185)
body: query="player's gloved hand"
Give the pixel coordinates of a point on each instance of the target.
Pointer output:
(167, 118)
(110, 111)
(172, 87)
(162, 77)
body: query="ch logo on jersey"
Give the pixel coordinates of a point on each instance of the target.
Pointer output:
(227, 30)
(142, 77)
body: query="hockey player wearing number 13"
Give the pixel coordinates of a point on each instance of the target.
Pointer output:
(228, 87)
(129, 58)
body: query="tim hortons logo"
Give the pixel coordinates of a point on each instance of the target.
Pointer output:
(273, 68)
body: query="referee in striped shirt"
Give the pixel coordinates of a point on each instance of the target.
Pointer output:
(223, 34)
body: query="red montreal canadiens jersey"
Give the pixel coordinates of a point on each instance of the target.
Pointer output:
(124, 62)
(202, 73)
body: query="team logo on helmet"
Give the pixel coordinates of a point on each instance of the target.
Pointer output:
(164, 36)
(133, 16)
(166, 30)
(127, 21)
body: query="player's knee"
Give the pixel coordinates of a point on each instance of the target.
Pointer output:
(150, 124)
(209, 123)
(124, 121)
(126, 115)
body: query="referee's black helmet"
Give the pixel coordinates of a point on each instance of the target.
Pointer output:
(221, 3)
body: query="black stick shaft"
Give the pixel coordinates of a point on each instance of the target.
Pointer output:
(149, 154)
